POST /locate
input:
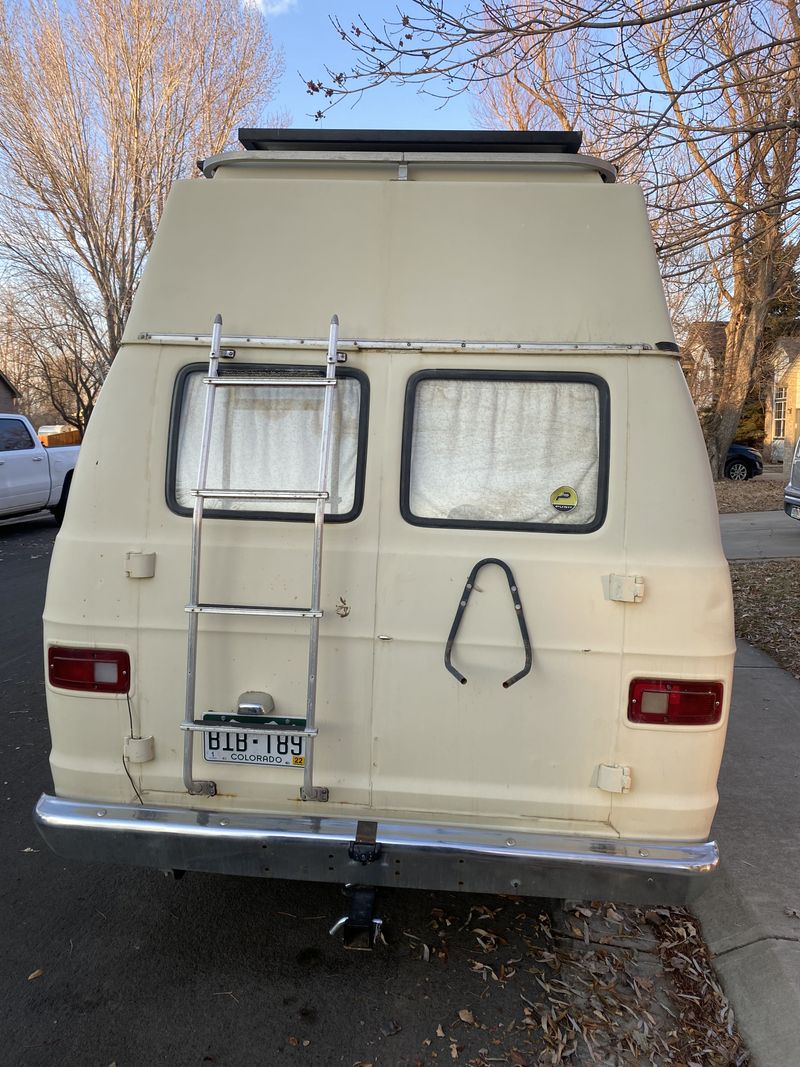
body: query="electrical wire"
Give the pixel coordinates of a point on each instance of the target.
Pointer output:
(124, 761)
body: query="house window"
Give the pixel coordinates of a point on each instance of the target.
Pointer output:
(507, 450)
(268, 438)
(779, 413)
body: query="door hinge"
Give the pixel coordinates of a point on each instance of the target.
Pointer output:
(612, 778)
(627, 588)
(140, 564)
(140, 749)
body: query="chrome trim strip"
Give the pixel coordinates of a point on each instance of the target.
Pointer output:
(363, 344)
(315, 848)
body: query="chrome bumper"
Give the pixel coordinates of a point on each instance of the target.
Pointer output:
(420, 856)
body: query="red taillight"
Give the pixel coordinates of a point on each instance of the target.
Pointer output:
(91, 670)
(675, 703)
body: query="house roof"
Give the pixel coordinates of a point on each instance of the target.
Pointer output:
(790, 346)
(709, 336)
(10, 385)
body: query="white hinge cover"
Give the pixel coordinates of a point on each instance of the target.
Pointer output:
(614, 779)
(139, 749)
(628, 588)
(140, 564)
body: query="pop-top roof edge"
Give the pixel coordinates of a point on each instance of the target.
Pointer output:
(255, 158)
(325, 146)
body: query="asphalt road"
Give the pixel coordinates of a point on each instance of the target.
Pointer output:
(107, 965)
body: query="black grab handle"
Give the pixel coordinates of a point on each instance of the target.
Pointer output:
(523, 629)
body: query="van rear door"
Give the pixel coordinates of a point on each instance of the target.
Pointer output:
(259, 553)
(511, 465)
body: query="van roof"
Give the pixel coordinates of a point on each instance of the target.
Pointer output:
(443, 249)
(496, 141)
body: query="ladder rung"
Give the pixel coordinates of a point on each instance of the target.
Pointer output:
(246, 609)
(260, 494)
(237, 728)
(315, 383)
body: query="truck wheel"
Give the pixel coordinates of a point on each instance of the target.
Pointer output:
(737, 470)
(61, 506)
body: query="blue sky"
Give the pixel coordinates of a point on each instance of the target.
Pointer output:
(309, 42)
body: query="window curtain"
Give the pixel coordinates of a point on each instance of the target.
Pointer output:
(495, 451)
(269, 438)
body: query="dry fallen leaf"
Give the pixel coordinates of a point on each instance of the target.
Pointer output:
(294, 1041)
(36, 974)
(439, 1031)
(466, 1016)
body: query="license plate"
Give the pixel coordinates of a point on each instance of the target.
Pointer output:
(264, 749)
(795, 512)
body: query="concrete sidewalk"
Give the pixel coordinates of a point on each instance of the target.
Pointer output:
(760, 535)
(751, 913)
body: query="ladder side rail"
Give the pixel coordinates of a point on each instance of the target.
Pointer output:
(193, 787)
(309, 790)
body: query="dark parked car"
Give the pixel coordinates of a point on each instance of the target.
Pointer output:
(742, 463)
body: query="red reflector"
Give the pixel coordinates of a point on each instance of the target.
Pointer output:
(91, 670)
(675, 703)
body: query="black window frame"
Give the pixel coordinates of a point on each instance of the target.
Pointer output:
(604, 449)
(280, 369)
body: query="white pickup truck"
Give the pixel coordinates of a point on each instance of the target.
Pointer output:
(32, 477)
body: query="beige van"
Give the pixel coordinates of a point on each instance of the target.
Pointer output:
(503, 661)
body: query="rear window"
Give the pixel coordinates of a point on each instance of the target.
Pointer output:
(508, 450)
(268, 438)
(14, 436)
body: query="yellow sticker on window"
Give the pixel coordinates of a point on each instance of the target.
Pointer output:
(564, 498)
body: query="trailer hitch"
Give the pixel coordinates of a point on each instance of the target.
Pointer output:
(361, 927)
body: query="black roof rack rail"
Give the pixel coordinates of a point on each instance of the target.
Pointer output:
(501, 141)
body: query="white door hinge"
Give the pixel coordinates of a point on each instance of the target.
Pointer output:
(140, 564)
(139, 749)
(612, 778)
(628, 588)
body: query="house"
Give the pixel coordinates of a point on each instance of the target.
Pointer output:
(702, 358)
(9, 395)
(782, 424)
(776, 390)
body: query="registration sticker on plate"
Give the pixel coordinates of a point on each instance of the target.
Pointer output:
(227, 745)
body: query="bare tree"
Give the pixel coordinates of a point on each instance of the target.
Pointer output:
(698, 101)
(103, 104)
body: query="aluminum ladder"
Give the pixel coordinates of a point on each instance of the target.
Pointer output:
(195, 608)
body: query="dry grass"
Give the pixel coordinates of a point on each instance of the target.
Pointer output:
(766, 597)
(757, 494)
